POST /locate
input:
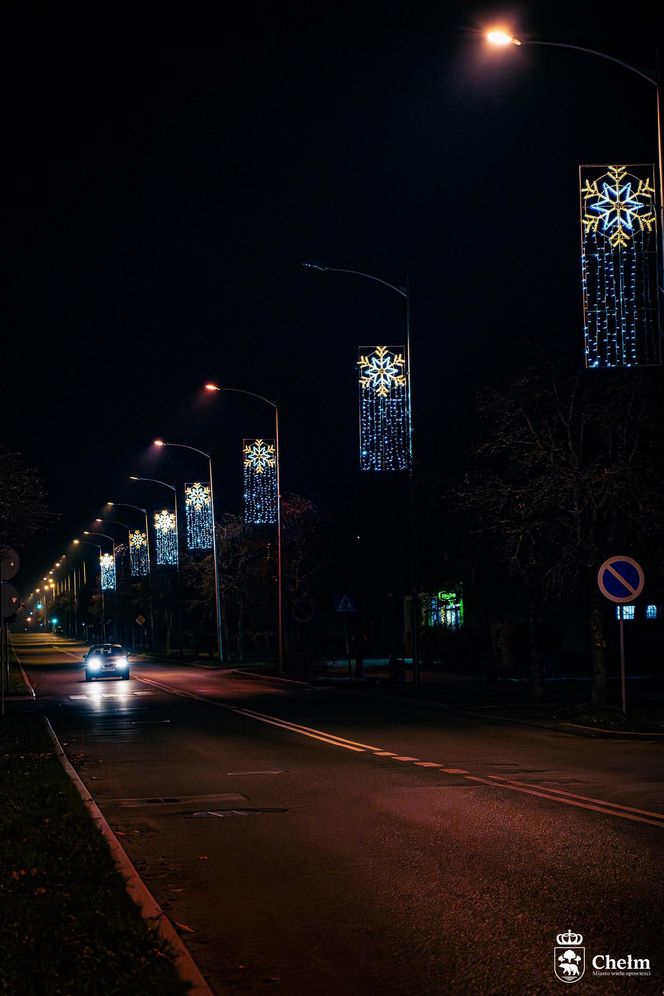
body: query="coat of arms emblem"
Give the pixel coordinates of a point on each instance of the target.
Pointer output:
(569, 958)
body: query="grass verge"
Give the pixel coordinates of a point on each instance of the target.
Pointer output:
(639, 719)
(67, 923)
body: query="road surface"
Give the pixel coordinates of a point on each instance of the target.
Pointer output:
(314, 842)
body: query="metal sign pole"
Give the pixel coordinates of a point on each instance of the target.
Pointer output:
(622, 662)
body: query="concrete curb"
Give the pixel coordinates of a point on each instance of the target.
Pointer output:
(270, 678)
(567, 729)
(150, 909)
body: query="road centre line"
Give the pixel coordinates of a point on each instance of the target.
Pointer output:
(66, 652)
(494, 781)
(584, 798)
(299, 726)
(567, 802)
(272, 721)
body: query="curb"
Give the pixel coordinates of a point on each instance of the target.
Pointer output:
(567, 729)
(274, 678)
(138, 891)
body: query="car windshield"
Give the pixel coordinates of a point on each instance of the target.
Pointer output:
(109, 650)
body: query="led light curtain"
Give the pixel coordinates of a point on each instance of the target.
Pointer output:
(139, 558)
(619, 266)
(384, 409)
(198, 507)
(107, 567)
(260, 481)
(166, 537)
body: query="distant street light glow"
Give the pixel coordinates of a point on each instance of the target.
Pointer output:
(159, 442)
(499, 37)
(212, 387)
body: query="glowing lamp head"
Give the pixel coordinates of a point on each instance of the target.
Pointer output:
(110, 504)
(212, 387)
(76, 542)
(99, 520)
(86, 532)
(132, 477)
(501, 38)
(159, 442)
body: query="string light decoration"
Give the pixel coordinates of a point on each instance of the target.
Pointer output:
(107, 568)
(139, 558)
(384, 409)
(260, 481)
(198, 507)
(166, 538)
(619, 266)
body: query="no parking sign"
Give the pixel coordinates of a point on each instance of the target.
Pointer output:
(621, 579)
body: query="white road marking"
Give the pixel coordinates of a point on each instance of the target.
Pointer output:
(495, 781)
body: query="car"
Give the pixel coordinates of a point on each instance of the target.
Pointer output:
(106, 660)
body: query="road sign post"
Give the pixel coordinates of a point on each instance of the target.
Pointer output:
(621, 580)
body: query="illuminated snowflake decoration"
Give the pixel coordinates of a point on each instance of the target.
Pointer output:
(197, 496)
(260, 456)
(165, 521)
(107, 568)
(617, 208)
(137, 539)
(381, 370)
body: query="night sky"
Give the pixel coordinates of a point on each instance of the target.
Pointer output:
(167, 169)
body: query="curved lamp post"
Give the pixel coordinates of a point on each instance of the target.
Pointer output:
(403, 292)
(280, 579)
(217, 593)
(503, 39)
(78, 542)
(137, 508)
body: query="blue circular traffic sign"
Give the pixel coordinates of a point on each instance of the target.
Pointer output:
(621, 579)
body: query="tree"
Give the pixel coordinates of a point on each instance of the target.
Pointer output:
(23, 508)
(568, 472)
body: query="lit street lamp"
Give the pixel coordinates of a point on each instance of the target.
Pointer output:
(403, 292)
(501, 38)
(280, 586)
(217, 593)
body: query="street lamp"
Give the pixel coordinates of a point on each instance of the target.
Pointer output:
(78, 542)
(501, 38)
(403, 292)
(217, 593)
(280, 587)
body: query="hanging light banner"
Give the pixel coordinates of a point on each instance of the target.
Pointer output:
(139, 558)
(260, 481)
(619, 266)
(384, 408)
(166, 537)
(107, 567)
(198, 506)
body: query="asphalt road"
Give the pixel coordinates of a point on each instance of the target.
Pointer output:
(322, 843)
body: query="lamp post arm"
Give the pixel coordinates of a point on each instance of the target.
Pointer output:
(194, 449)
(402, 291)
(600, 55)
(251, 394)
(152, 480)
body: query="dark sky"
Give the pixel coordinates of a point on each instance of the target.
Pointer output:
(168, 167)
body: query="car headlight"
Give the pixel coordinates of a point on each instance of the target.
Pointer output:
(123, 662)
(94, 663)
